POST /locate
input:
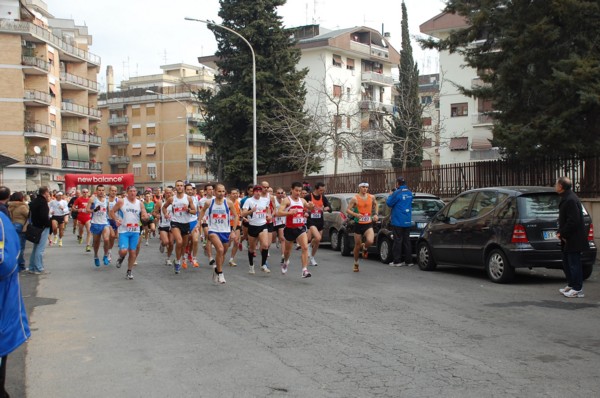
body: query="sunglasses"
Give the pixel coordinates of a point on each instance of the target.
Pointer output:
(280, 193)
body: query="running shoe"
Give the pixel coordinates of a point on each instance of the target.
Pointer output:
(306, 273)
(251, 270)
(161, 248)
(284, 267)
(129, 275)
(105, 260)
(60, 243)
(88, 248)
(96, 261)
(50, 242)
(79, 239)
(176, 267)
(147, 242)
(55, 239)
(282, 260)
(574, 294)
(298, 247)
(195, 263)
(565, 289)
(232, 263)
(184, 264)
(277, 243)
(168, 262)
(135, 262)
(215, 277)
(120, 262)
(221, 279)
(356, 267)
(265, 269)
(313, 262)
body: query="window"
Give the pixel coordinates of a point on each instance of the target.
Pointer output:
(459, 209)
(485, 202)
(348, 93)
(135, 112)
(348, 122)
(426, 121)
(337, 61)
(136, 131)
(459, 144)
(137, 169)
(337, 91)
(426, 99)
(150, 130)
(54, 151)
(335, 203)
(337, 121)
(461, 109)
(151, 169)
(151, 150)
(427, 143)
(349, 64)
(150, 110)
(136, 151)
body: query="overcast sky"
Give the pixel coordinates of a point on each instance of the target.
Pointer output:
(137, 36)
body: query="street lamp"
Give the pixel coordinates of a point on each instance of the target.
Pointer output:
(254, 166)
(187, 129)
(162, 157)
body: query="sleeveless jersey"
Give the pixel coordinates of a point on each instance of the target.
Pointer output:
(296, 220)
(180, 210)
(218, 217)
(201, 203)
(364, 208)
(278, 220)
(259, 217)
(100, 211)
(235, 211)
(194, 217)
(165, 222)
(149, 209)
(130, 216)
(113, 203)
(317, 212)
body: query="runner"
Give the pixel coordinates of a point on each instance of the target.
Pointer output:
(83, 218)
(114, 229)
(164, 227)
(74, 213)
(364, 210)
(258, 210)
(98, 206)
(150, 225)
(249, 194)
(315, 221)
(236, 227)
(208, 192)
(59, 210)
(183, 207)
(279, 223)
(218, 215)
(293, 208)
(194, 229)
(127, 213)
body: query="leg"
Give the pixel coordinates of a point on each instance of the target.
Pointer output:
(316, 240)
(88, 236)
(357, 245)
(406, 245)
(576, 270)
(3, 393)
(178, 243)
(220, 251)
(397, 247)
(265, 240)
(96, 244)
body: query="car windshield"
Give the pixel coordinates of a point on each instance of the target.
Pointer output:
(539, 206)
(426, 206)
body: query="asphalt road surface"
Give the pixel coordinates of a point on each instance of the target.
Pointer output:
(382, 332)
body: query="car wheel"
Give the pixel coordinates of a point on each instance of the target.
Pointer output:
(497, 267)
(425, 257)
(385, 250)
(334, 237)
(344, 245)
(587, 270)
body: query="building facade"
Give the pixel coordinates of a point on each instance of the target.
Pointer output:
(49, 95)
(429, 98)
(152, 126)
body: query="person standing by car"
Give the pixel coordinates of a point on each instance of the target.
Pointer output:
(400, 202)
(40, 217)
(572, 235)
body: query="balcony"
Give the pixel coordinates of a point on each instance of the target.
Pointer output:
(198, 138)
(79, 165)
(78, 138)
(71, 109)
(73, 82)
(489, 154)
(376, 79)
(195, 119)
(374, 106)
(38, 130)
(202, 177)
(377, 164)
(37, 98)
(482, 119)
(34, 66)
(118, 140)
(478, 83)
(115, 160)
(39, 160)
(118, 121)
(196, 158)
(380, 52)
(31, 32)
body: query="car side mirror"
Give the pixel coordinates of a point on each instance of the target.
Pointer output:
(441, 217)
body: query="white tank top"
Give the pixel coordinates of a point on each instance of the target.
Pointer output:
(218, 217)
(259, 217)
(130, 216)
(180, 210)
(100, 211)
(165, 222)
(201, 203)
(278, 220)
(194, 217)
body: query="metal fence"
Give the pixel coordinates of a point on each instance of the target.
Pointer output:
(449, 180)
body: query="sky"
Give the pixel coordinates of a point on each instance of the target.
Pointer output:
(137, 36)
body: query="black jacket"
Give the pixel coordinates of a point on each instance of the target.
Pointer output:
(40, 212)
(571, 226)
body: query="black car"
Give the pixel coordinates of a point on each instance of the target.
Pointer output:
(499, 229)
(424, 207)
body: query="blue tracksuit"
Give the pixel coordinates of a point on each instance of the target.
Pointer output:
(400, 201)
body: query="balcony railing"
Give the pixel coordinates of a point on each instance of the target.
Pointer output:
(118, 121)
(38, 159)
(202, 177)
(198, 137)
(79, 81)
(38, 129)
(24, 27)
(37, 97)
(478, 82)
(68, 107)
(380, 52)
(377, 78)
(375, 106)
(36, 62)
(119, 160)
(80, 137)
(482, 119)
(75, 164)
(197, 158)
(489, 154)
(377, 163)
(118, 140)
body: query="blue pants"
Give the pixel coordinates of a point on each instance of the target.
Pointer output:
(573, 269)
(36, 261)
(22, 240)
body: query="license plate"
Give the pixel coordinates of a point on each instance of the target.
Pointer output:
(421, 225)
(549, 235)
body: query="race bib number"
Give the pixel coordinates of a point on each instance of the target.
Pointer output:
(299, 218)
(316, 214)
(179, 210)
(132, 227)
(219, 219)
(260, 214)
(364, 218)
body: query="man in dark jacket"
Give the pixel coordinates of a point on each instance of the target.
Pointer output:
(4, 196)
(573, 237)
(400, 202)
(40, 217)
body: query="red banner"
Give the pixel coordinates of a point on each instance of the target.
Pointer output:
(73, 180)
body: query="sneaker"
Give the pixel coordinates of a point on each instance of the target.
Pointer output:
(565, 289)
(55, 239)
(251, 269)
(306, 273)
(50, 242)
(168, 262)
(120, 262)
(232, 263)
(221, 279)
(176, 267)
(574, 294)
(161, 248)
(397, 264)
(147, 242)
(105, 260)
(129, 275)
(184, 264)
(60, 243)
(409, 264)
(312, 261)
(284, 267)
(88, 249)
(356, 267)
(195, 263)
(215, 277)
(42, 272)
(265, 269)
(79, 239)
(96, 261)
(135, 262)
(298, 247)
(212, 262)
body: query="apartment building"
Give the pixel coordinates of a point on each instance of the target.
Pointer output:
(48, 97)
(465, 127)
(153, 126)
(429, 98)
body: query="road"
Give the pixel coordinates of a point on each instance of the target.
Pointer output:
(382, 332)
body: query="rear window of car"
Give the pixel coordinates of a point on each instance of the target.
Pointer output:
(539, 205)
(426, 207)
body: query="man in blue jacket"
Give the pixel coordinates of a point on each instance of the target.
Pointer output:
(400, 201)
(14, 329)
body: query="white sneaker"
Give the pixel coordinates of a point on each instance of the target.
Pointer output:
(215, 277)
(565, 289)
(392, 264)
(251, 269)
(284, 267)
(146, 242)
(312, 261)
(574, 294)
(221, 278)
(232, 263)
(265, 269)
(168, 262)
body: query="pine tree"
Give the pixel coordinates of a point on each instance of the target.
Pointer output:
(279, 84)
(406, 123)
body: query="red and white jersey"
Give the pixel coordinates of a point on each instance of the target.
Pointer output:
(180, 210)
(259, 216)
(296, 220)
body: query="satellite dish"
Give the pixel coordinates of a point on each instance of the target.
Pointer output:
(37, 150)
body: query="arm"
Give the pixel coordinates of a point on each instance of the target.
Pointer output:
(88, 208)
(143, 211)
(326, 205)
(281, 210)
(392, 199)
(112, 213)
(350, 209)
(374, 209)
(203, 210)
(191, 206)
(236, 217)
(165, 206)
(248, 210)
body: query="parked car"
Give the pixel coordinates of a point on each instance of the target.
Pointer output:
(424, 207)
(500, 229)
(332, 221)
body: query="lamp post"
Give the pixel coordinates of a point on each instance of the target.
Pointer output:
(187, 129)
(162, 158)
(254, 150)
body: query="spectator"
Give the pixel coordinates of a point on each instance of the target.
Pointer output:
(40, 217)
(4, 196)
(19, 213)
(400, 201)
